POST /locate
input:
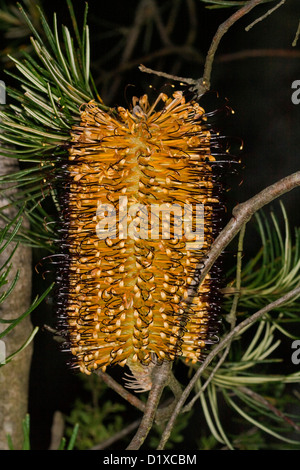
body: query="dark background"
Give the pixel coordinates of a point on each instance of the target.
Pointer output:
(258, 89)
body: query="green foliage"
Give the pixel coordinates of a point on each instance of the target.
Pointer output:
(26, 435)
(100, 418)
(256, 399)
(97, 415)
(275, 270)
(247, 379)
(207, 442)
(7, 236)
(54, 83)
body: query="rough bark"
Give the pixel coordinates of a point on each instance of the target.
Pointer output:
(14, 376)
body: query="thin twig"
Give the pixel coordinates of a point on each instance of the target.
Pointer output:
(294, 43)
(222, 29)
(166, 408)
(129, 397)
(261, 18)
(189, 81)
(116, 437)
(293, 294)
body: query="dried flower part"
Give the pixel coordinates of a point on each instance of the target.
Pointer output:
(126, 288)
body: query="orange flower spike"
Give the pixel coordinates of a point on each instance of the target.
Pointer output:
(126, 291)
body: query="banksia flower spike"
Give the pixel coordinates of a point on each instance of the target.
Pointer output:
(127, 286)
(139, 201)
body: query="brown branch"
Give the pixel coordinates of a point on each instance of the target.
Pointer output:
(116, 437)
(166, 408)
(161, 376)
(203, 84)
(129, 397)
(241, 215)
(189, 81)
(187, 50)
(261, 18)
(293, 294)
(223, 28)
